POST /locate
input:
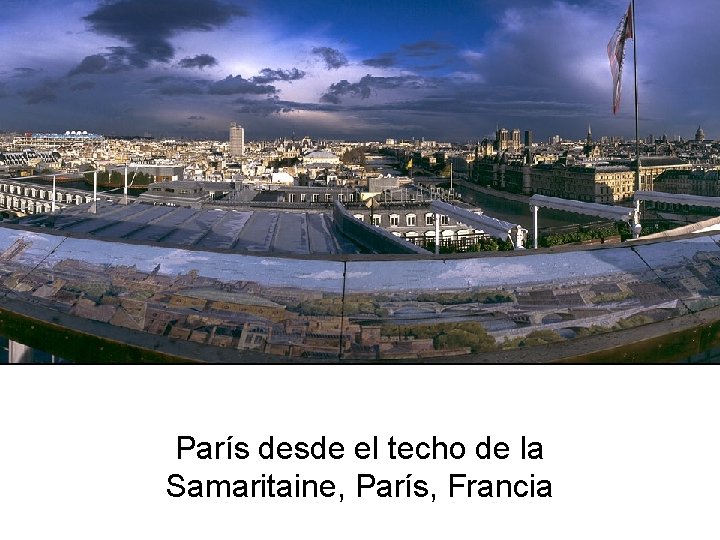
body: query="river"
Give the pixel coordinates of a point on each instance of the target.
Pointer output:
(519, 212)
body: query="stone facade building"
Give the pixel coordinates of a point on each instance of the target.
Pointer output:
(697, 182)
(413, 221)
(589, 184)
(652, 166)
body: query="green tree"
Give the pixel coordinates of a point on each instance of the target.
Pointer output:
(354, 156)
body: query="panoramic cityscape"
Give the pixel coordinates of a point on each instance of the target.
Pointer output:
(207, 181)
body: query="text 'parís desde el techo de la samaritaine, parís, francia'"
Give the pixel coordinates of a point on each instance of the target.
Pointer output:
(364, 483)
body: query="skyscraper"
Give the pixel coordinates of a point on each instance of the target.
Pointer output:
(237, 141)
(528, 138)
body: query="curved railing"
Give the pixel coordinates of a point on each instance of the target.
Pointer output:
(357, 307)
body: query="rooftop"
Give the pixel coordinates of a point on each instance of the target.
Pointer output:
(248, 231)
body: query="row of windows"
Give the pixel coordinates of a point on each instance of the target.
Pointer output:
(410, 219)
(292, 197)
(614, 177)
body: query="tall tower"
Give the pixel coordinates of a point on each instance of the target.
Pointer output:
(502, 139)
(528, 138)
(699, 134)
(515, 140)
(237, 141)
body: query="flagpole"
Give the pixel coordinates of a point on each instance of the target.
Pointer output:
(637, 136)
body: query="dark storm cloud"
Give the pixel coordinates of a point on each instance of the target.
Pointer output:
(22, 72)
(267, 106)
(274, 105)
(44, 92)
(382, 60)
(178, 85)
(237, 85)
(365, 86)
(82, 85)
(102, 63)
(333, 58)
(200, 61)
(148, 26)
(423, 48)
(268, 75)
(441, 105)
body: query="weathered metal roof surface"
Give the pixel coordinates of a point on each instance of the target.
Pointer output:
(255, 231)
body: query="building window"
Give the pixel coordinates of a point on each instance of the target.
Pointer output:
(359, 217)
(444, 220)
(410, 220)
(303, 197)
(328, 197)
(394, 220)
(376, 220)
(291, 197)
(429, 219)
(315, 197)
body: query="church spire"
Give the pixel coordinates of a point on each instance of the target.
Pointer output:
(589, 146)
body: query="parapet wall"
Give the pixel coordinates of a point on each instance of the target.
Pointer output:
(356, 308)
(374, 239)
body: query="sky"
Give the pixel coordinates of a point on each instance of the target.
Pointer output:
(449, 71)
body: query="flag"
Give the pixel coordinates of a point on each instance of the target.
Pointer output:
(616, 54)
(409, 165)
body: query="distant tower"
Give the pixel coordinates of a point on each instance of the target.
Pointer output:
(528, 138)
(699, 134)
(502, 140)
(237, 141)
(515, 144)
(589, 147)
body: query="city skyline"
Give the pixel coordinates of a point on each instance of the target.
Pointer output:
(392, 69)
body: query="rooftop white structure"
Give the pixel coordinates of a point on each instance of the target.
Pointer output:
(282, 178)
(614, 213)
(68, 135)
(320, 156)
(677, 198)
(489, 225)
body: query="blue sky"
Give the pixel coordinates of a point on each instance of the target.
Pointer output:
(449, 71)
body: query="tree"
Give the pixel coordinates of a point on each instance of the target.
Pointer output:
(354, 156)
